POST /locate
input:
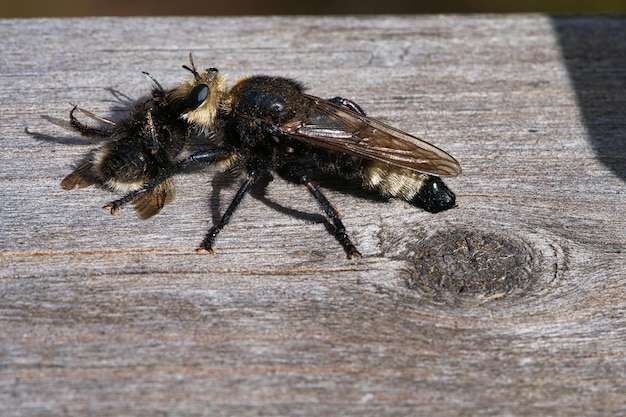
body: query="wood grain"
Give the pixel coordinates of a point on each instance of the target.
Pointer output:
(510, 304)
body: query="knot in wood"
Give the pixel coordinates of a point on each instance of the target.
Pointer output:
(466, 262)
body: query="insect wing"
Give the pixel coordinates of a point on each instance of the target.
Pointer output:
(80, 178)
(334, 127)
(151, 202)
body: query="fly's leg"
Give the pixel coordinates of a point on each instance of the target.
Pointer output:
(299, 174)
(209, 240)
(205, 157)
(340, 230)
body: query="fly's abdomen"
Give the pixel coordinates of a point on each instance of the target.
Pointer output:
(425, 191)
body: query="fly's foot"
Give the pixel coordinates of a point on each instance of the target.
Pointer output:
(209, 241)
(113, 208)
(202, 249)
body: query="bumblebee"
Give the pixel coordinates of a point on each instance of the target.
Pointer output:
(140, 147)
(265, 124)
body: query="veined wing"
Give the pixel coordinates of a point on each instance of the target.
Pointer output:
(331, 126)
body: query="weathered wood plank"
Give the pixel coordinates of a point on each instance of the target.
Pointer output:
(510, 304)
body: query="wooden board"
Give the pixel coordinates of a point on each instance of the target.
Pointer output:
(510, 304)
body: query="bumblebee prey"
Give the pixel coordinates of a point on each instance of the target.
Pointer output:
(141, 146)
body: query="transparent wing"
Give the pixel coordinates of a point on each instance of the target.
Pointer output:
(334, 127)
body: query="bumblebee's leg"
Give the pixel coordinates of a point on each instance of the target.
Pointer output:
(349, 104)
(87, 130)
(205, 157)
(333, 215)
(209, 240)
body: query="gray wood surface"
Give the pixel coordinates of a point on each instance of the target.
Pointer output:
(513, 303)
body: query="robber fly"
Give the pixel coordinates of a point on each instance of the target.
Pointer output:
(140, 147)
(266, 124)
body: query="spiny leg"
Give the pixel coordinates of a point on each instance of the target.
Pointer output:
(87, 130)
(202, 157)
(333, 215)
(209, 240)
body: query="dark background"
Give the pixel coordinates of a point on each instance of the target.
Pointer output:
(46, 8)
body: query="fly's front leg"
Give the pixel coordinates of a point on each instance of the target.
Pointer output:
(209, 240)
(204, 157)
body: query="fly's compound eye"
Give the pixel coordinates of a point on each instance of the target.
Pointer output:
(197, 96)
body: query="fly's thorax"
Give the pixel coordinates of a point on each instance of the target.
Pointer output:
(274, 100)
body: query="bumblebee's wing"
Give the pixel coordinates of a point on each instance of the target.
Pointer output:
(81, 177)
(334, 127)
(151, 202)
